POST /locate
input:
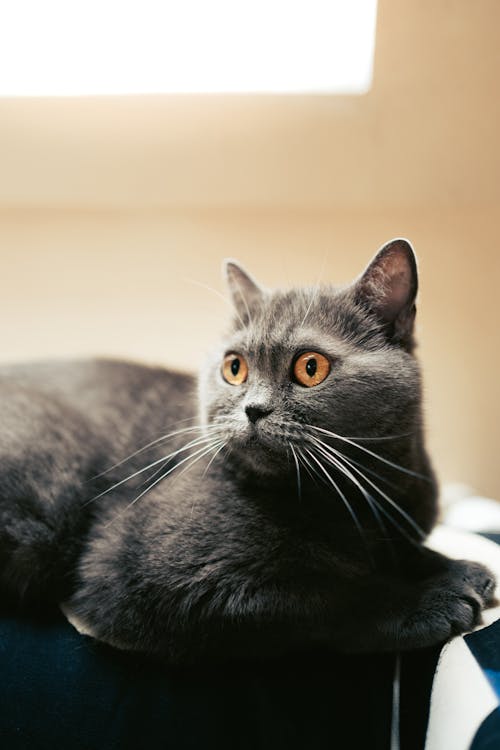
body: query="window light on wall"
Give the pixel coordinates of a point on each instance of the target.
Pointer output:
(87, 47)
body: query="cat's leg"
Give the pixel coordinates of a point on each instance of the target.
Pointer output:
(141, 587)
(44, 455)
(423, 608)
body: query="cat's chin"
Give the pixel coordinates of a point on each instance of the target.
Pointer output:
(260, 458)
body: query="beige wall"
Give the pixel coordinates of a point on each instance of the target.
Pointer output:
(110, 209)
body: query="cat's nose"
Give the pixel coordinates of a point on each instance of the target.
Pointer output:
(256, 411)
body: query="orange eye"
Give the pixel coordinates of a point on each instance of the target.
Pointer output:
(234, 369)
(311, 368)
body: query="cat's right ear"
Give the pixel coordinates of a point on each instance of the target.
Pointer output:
(246, 294)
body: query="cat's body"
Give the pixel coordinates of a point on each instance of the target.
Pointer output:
(294, 533)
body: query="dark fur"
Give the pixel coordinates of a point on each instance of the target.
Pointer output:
(233, 561)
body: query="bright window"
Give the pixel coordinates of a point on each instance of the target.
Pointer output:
(80, 47)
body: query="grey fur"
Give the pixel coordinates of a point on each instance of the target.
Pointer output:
(260, 552)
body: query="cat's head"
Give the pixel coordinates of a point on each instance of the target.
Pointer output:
(299, 364)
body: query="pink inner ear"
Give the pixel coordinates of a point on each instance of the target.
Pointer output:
(389, 283)
(397, 286)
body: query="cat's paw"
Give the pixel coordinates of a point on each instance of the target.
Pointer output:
(450, 604)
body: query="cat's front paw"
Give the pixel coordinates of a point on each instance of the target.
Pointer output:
(450, 604)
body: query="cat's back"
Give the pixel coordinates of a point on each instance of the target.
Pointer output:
(115, 397)
(88, 377)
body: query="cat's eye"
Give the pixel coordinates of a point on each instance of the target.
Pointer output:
(234, 369)
(311, 368)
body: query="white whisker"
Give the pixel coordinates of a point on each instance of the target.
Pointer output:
(214, 457)
(219, 294)
(380, 439)
(166, 436)
(372, 472)
(315, 291)
(195, 441)
(374, 505)
(339, 491)
(344, 470)
(202, 451)
(244, 302)
(162, 460)
(386, 497)
(313, 297)
(371, 453)
(297, 467)
(207, 450)
(307, 465)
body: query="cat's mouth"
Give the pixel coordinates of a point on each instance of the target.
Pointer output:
(263, 446)
(258, 443)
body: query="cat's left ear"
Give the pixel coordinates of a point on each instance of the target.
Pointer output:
(246, 293)
(389, 287)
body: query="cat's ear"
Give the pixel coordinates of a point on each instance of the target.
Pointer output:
(246, 293)
(388, 288)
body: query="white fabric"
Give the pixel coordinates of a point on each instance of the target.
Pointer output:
(461, 696)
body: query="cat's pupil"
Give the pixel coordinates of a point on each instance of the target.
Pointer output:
(311, 367)
(235, 366)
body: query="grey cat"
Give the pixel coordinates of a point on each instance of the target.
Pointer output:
(281, 502)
